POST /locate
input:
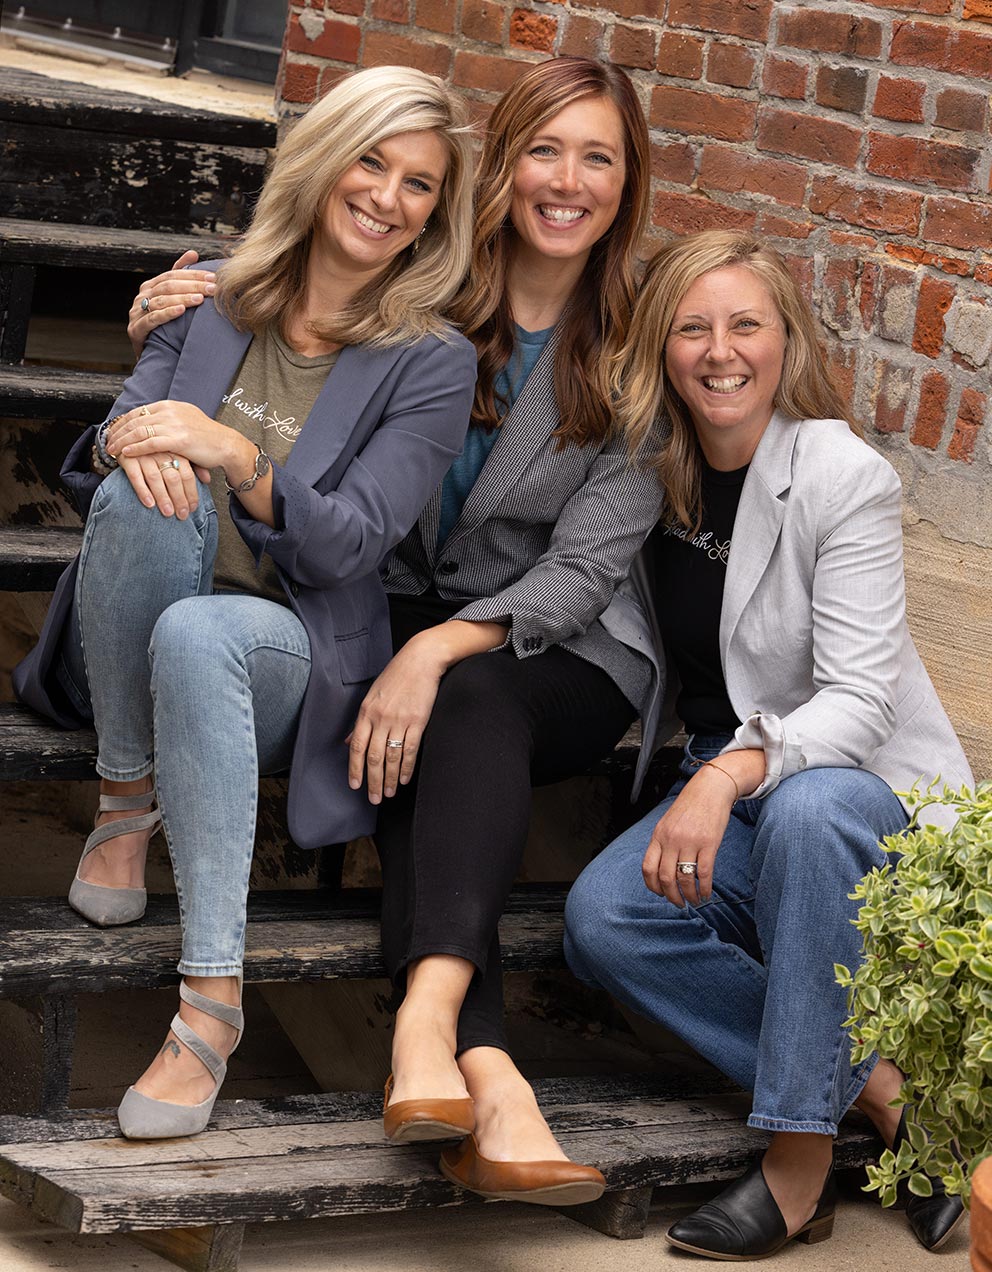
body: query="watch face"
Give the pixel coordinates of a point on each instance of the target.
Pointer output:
(262, 464)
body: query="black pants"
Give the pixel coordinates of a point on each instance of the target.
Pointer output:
(451, 842)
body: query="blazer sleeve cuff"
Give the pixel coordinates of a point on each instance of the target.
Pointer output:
(783, 756)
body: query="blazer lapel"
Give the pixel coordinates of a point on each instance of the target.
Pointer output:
(759, 521)
(212, 352)
(428, 524)
(358, 372)
(521, 435)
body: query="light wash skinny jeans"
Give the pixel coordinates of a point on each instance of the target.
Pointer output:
(747, 978)
(203, 689)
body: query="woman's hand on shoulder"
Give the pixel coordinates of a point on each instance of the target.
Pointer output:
(396, 709)
(169, 295)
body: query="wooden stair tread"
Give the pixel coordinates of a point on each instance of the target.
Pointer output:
(33, 557)
(28, 97)
(57, 393)
(315, 1156)
(295, 936)
(31, 747)
(102, 247)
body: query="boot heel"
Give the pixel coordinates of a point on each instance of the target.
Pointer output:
(818, 1230)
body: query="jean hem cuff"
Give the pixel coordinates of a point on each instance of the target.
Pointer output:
(124, 775)
(860, 1078)
(187, 968)
(759, 1123)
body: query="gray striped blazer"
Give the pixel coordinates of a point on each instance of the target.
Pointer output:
(544, 538)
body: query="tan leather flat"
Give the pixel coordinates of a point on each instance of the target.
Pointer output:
(542, 1183)
(412, 1121)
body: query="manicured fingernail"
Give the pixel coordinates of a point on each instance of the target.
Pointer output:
(375, 799)
(149, 502)
(390, 792)
(167, 510)
(210, 288)
(353, 783)
(182, 515)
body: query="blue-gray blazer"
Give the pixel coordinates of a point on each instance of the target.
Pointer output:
(382, 433)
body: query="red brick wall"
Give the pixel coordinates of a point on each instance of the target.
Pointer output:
(853, 135)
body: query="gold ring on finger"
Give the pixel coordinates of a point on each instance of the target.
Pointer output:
(169, 463)
(144, 410)
(149, 430)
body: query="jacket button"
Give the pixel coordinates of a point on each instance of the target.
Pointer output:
(294, 587)
(538, 642)
(802, 761)
(448, 567)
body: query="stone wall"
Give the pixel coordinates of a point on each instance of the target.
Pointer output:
(854, 136)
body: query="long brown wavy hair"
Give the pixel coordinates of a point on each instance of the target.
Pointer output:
(647, 404)
(595, 322)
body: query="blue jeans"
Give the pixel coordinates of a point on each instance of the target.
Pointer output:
(203, 689)
(747, 977)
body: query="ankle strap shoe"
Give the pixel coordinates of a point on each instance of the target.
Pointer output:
(109, 907)
(141, 1117)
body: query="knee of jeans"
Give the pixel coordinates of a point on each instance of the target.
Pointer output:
(828, 808)
(116, 492)
(187, 635)
(587, 923)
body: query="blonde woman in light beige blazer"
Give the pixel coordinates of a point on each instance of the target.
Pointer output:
(782, 648)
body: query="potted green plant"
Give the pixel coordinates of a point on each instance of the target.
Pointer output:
(923, 995)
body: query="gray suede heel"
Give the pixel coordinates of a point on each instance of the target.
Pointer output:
(141, 1117)
(104, 906)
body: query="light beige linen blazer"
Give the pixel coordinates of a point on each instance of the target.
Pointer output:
(817, 656)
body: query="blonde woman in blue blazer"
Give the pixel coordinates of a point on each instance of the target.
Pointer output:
(208, 648)
(782, 647)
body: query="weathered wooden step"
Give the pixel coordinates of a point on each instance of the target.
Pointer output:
(32, 748)
(139, 251)
(317, 1156)
(46, 949)
(33, 557)
(53, 393)
(91, 156)
(28, 97)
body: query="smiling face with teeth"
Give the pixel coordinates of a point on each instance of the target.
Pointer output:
(568, 182)
(723, 357)
(380, 204)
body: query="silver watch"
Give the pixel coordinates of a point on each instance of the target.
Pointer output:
(262, 466)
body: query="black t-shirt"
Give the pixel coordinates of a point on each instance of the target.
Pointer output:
(690, 571)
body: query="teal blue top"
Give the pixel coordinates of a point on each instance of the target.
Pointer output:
(464, 472)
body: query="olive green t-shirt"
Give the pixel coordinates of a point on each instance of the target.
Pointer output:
(269, 399)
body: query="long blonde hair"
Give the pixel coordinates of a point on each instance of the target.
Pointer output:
(647, 403)
(265, 278)
(595, 323)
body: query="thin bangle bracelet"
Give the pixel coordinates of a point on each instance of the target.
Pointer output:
(720, 769)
